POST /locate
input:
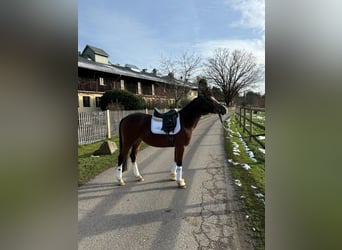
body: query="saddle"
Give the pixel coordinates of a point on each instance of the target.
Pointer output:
(168, 118)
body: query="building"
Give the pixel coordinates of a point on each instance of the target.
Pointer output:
(97, 75)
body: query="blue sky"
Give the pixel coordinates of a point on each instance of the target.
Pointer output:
(141, 32)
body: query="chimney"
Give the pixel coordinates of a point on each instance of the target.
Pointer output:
(154, 72)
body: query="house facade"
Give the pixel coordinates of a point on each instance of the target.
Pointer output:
(97, 75)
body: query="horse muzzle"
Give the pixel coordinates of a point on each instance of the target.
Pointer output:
(221, 110)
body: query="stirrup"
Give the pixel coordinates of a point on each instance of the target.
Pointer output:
(181, 183)
(121, 182)
(139, 178)
(173, 176)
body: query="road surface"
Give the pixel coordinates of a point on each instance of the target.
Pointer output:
(155, 214)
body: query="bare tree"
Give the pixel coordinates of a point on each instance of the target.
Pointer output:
(167, 65)
(185, 67)
(232, 71)
(188, 63)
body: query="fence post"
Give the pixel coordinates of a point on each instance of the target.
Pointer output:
(240, 117)
(250, 124)
(244, 120)
(108, 125)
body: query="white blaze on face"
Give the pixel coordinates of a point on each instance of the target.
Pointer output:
(216, 101)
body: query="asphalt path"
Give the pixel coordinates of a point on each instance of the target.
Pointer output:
(155, 214)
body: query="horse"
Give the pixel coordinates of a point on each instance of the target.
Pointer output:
(135, 128)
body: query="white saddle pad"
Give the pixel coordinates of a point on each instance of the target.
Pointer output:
(156, 125)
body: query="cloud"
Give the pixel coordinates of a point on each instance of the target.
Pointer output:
(252, 13)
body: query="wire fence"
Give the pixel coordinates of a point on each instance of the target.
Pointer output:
(98, 125)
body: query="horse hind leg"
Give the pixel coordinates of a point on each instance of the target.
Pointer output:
(122, 163)
(133, 155)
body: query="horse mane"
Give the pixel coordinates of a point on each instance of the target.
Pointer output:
(191, 113)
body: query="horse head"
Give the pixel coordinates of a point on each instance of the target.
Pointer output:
(211, 105)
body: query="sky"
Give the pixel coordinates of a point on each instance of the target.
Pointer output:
(142, 32)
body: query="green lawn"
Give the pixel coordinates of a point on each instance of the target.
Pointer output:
(89, 166)
(252, 188)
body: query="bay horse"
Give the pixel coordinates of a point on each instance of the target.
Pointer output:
(136, 128)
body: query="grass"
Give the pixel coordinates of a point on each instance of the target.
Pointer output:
(88, 166)
(252, 180)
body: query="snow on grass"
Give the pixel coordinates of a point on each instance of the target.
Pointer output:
(249, 152)
(261, 137)
(238, 182)
(262, 150)
(246, 166)
(233, 162)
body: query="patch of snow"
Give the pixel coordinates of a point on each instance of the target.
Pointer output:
(232, 162)
(238, 182)
(260, 117)
(246, 166)
(261, 137)
(262, 150)
(251, 155)
(259, 195)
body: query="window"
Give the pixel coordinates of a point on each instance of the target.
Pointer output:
(97, 101)
(101, 81)
(86, 101)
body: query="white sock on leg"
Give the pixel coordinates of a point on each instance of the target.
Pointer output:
(174, 168)
(119, 172)
(135, 169)
(179, 173)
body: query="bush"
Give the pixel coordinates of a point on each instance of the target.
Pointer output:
(123, 97)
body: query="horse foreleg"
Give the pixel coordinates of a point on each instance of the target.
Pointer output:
(179, 151)
(133, 156)
(173, 172)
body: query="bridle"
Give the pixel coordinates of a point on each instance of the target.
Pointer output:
(215, 109)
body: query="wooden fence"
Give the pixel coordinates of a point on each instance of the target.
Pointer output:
(98, 125)
(246, 114)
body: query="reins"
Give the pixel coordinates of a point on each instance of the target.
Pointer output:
(226, 129)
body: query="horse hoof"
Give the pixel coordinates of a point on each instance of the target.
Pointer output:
(139, 178)
(173, 176)
(181, 183)
(121, 182)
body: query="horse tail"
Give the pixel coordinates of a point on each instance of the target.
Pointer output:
(120, 137)
(121, 158)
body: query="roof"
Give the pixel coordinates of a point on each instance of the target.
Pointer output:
(115, 69)
(125, 71)
(97, 51)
